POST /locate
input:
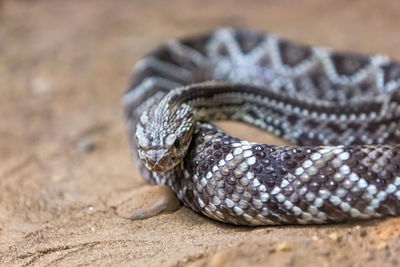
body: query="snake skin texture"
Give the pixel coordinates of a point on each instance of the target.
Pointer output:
(340, 110)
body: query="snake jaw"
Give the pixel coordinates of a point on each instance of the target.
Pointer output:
(164, 159)
(154, 160)
(158, 160)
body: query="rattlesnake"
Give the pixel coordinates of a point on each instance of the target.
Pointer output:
(341, 110)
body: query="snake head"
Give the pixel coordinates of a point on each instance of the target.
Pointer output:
(163, 136)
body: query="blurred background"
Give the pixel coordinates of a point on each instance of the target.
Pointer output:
(64, 157)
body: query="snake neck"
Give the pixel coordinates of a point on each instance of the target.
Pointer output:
(299, 120)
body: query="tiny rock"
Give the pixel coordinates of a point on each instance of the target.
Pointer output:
(284, 246)
(382, 246)
(334, 236)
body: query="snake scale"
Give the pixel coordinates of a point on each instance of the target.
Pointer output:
(340, 110)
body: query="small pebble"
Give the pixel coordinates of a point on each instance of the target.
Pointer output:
(363, 232)
(85, 145)
(382, 246)
(366, 256)
(334, 236)
(219, 259)
(40, 85)
(325, 253)
(284, 246)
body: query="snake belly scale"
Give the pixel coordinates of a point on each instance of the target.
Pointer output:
(340, 110)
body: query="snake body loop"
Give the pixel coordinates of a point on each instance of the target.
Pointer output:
(341, 110)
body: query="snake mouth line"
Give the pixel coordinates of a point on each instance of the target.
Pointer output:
(155, 166)
(160, 165)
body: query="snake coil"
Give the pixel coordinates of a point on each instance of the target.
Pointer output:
(341, 110)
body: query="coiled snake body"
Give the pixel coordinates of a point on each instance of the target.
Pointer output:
(341, 110)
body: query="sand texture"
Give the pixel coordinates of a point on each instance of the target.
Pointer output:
(65, 165)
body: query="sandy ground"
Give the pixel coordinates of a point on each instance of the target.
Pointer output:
(64, 159)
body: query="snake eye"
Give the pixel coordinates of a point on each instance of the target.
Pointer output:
(177, 143)
(170, 139)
